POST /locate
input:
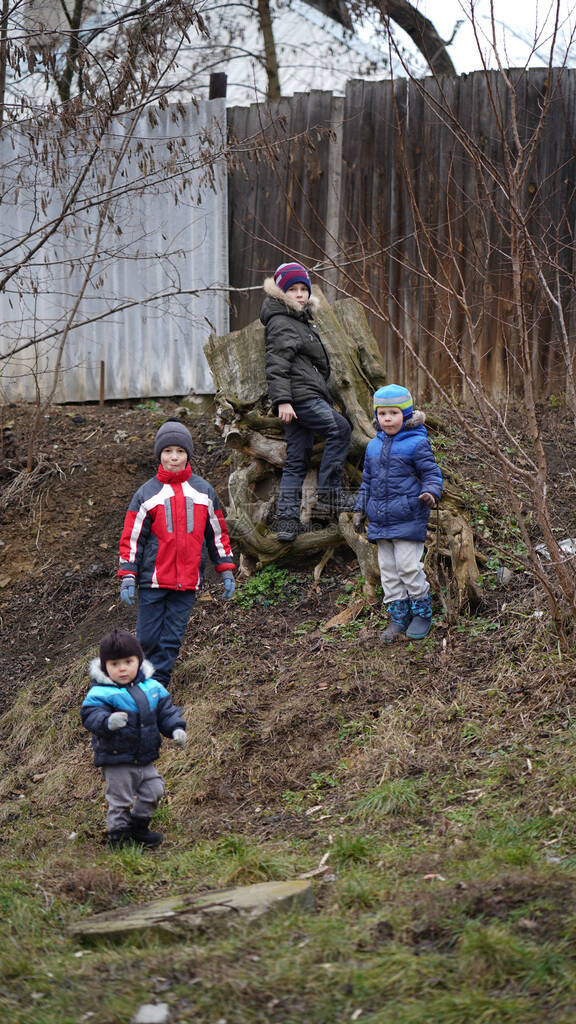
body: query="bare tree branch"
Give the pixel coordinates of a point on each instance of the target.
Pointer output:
(420, 29)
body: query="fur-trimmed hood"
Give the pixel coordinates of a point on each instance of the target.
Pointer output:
(98, 676)
(417, 419)
(274, 292)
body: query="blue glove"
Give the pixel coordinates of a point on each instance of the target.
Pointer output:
(127, 590)
(229, 584)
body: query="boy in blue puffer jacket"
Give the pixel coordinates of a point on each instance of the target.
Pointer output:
(400, 484)
(126, 710)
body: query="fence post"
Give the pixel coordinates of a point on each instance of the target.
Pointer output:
(334, 197)
(218, 85)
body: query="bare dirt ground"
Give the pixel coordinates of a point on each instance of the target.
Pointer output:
(292, 687)
(60, 526)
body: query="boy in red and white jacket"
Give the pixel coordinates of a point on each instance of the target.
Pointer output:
(161, 548)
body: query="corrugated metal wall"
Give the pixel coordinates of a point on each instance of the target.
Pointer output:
(146, 244)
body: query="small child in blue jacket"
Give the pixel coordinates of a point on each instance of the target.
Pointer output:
(400, 484)
(127, 710)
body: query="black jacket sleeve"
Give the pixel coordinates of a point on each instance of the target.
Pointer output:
(283, 342)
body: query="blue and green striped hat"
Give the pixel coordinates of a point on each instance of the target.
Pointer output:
(396, 397)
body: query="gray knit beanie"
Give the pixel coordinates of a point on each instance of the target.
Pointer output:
(173, 432)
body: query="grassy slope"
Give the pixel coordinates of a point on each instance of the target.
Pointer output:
(439, 778)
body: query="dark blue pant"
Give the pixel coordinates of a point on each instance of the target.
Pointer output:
(160, 626)
(314, 417)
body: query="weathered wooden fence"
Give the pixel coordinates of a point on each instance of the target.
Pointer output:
(383, 185)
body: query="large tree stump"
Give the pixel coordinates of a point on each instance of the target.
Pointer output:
(244, 416)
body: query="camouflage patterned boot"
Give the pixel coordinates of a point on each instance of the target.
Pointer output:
(421, 609)
(399, 615)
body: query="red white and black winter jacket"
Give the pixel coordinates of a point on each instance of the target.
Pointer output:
(166, 524)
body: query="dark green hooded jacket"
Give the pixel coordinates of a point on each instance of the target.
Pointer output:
(297, 364)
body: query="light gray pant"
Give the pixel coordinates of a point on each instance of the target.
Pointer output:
(401, 571)
(131, 788)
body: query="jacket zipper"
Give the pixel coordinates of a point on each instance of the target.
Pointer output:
(388, 441)
(176, 531)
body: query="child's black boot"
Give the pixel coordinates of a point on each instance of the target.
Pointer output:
(288, 529)
(141, 834)
(421, 609)
(399, 615)
(329, 504)
(118, 837)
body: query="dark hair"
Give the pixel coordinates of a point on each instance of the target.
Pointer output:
(119, 644)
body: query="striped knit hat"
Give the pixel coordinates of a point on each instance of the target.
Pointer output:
(393, 396)
(288, 274)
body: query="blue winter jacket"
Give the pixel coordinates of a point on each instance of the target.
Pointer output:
(396, 470)
(150, 712)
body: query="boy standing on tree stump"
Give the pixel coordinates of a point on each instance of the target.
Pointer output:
(297, 370)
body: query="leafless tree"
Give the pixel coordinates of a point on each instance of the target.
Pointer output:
(61, 40)
(348, 14)
(403, 14)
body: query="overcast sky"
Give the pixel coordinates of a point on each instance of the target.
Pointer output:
(525, 21)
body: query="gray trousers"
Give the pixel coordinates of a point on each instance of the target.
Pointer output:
(131, 789)
(401, 571)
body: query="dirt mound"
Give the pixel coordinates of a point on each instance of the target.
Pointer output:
(60, 524)
(274, 695)
(426, 789)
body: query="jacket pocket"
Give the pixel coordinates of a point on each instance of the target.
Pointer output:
(399, 510)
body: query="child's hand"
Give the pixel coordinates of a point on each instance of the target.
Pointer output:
(127, 590)
(427, 499)
(117, 720)
(179, 736)
(358, 522)
(286, 413)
